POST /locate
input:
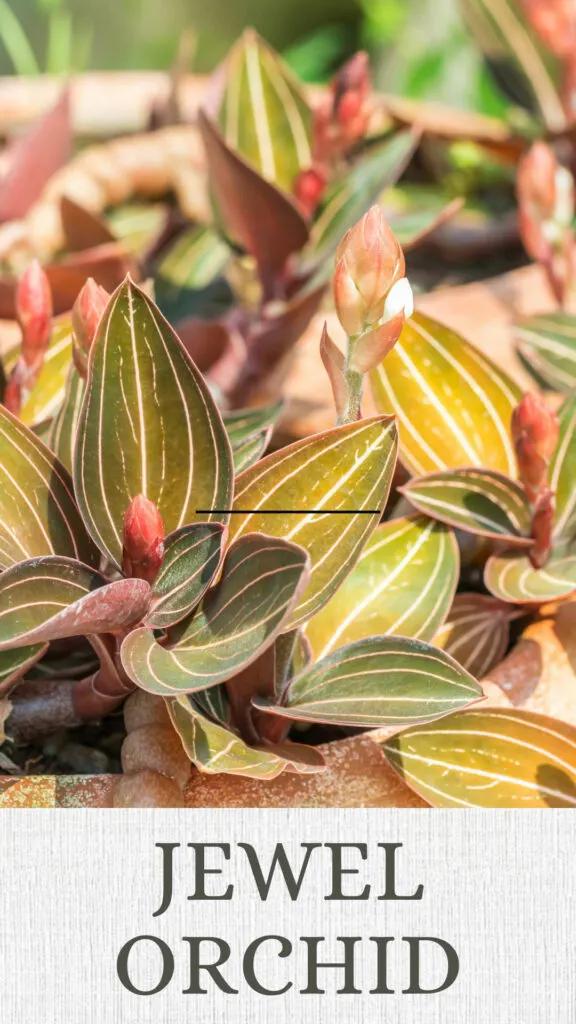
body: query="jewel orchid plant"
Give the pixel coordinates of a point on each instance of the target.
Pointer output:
(198, 585)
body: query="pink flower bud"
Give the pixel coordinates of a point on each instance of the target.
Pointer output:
(87, 313)
(34, 312)
(546, 203)
(308, 189)
(342, 119)
(535, 433)
(555, 23)
(143, 540)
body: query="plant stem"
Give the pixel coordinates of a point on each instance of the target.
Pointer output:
(354, 385)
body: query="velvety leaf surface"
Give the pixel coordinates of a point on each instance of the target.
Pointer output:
(62, 435)
(379, 681)
(483, 502)
(191, 558)
(505, 36)
(511, 577)
(50, 598)
(215, 749)
(489, 758)
(563, 473)
(476, 632)
(349, 199)
(212, 703)
(38, 515)
(249, 451)
(339, 480)
(548, 346)
(148, 425)
(453, 404)
(403, 582)
(266, 223)
(260, 582)
(13, 664)
(264, 114)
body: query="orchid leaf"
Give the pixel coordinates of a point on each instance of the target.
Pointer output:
(506, 38)
(215, 749)
(264, 114)
(51, 598)
(249, 451)
(243, 423)
(379, 681)
(349, 199)
(212, 703)
(483, 502)
(82, 228)
(266, 222)
(148, 425)
(38, 515)
(191, 558)
(14, 664)
(43, 400)
(73, 665)
(326, 493)
(476, 632)
(260, 582)
(453, 404)
(189, 279)
(547, 345)
(35, 158)
(415, 214)
(563, 472)
(403, 583)
(64, 427)
(497, 757)
(511, 577)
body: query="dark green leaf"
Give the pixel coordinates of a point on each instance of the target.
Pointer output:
(191, 558)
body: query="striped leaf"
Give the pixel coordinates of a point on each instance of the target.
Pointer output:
(483, 502)
(148, 425)
(212, 703)
(349, 199)
(249, 451)
(43, 400)
(503, 32)
(51, 598)
(476, 632)
(260, 583)
(415, 214)
(244, 423)
(403, 583)
(264, 114)
(63, 431)
(563, 473)
(327, 493)
(253, 213)
(215, 749)
(511, 577)
(191, 558)
(453, 404)
(379, 681)
(489, 758)
(14, 664)
(547, 345)
(189, 277)
(38, 515)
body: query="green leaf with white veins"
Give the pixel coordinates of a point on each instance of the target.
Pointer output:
(260, 582)
(326, 493)
(563, 473)
(148, 425)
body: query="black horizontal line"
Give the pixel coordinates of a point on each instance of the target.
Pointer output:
(291, 511)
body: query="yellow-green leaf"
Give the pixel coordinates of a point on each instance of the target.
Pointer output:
(191, 558)
(215, 749)
(38, 515)
(148, 425)
(453, 404)
(492, 758)
(264, 114)
(64, 427)
(479, 501)
(547, 344)
(327, 493)
(403, 583)
(43, 400)
(511, 577)
(563, 473)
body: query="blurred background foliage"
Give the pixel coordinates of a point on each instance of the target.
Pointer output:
(419, 48)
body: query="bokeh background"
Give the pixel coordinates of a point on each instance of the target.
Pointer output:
(418, 47)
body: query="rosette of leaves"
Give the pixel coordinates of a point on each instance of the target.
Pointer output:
(457, 443)
(247, 563)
